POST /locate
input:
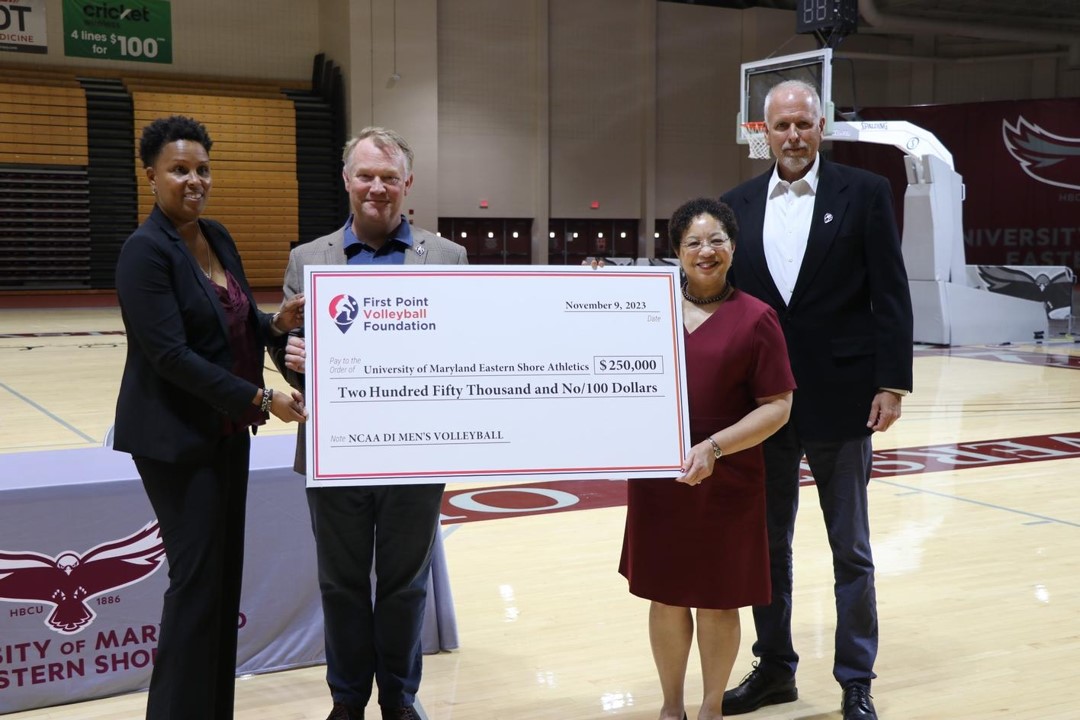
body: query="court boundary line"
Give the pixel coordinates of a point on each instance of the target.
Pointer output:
(48, 414)
(981, 503)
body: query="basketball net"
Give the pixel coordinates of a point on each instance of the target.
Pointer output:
(754, 135)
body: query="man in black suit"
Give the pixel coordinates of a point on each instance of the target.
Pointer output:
(396, 524)
(819, 243)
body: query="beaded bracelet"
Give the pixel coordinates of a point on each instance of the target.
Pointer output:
(267, 399)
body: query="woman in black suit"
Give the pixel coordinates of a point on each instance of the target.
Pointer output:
(192, 388)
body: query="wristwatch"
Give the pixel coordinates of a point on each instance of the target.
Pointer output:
(716, 451)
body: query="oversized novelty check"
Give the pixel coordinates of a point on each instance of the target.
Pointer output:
(464, 373)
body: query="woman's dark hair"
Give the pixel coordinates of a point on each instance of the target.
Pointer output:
(163, 131)
(685, 214)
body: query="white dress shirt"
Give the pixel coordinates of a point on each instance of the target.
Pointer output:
(789, 210)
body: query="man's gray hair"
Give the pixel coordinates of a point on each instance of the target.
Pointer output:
(384, 139)
(789, 85)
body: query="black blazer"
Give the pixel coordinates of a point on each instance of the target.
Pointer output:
(848, 325)
(177, 379)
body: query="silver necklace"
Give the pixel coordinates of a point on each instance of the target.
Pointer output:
(728, 288)
(209, 273)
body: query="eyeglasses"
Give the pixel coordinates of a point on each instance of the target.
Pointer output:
(696, 245)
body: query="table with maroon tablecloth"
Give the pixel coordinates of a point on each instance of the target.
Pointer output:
(75, 522)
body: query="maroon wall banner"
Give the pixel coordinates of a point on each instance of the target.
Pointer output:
(1020, 161)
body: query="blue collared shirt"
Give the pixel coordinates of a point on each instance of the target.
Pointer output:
(392, 251)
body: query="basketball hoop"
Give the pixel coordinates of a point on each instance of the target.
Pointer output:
(754, 135)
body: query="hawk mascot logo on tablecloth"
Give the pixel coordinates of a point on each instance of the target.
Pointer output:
(1049, 158)
(68, 580)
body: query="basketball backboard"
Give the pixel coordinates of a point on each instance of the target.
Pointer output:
(758, 77)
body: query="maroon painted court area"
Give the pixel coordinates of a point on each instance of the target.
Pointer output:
(461, 506)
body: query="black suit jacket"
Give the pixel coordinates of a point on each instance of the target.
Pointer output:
(848, 325)
(177, 379)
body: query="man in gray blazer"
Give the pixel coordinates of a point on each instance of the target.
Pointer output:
(368, 641)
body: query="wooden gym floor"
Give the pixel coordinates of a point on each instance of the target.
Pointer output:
(976, 525)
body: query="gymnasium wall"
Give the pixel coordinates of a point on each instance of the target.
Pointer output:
(581, 103)
(542, 107)
(72, 187)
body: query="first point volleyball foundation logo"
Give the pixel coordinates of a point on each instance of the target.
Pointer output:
(344, 309)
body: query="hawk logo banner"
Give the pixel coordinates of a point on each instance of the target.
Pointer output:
(70, 579)
(1049, 158)
(1020, 165)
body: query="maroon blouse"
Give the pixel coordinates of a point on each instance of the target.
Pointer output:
(247, 363)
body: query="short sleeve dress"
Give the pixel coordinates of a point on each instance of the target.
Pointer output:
(706, 546)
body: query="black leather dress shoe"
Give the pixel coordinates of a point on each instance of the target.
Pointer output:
(342, 711)
(857, 704)
(401, 713)
(758, 689)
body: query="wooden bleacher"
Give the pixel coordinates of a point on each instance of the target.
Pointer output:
(44, 201)
(44, 122)
(56, 142)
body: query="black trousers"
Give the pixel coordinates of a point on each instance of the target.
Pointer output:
(841, 472)
(374, 640)
(200, 510)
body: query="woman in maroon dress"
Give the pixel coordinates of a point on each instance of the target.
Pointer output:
(699, 541)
